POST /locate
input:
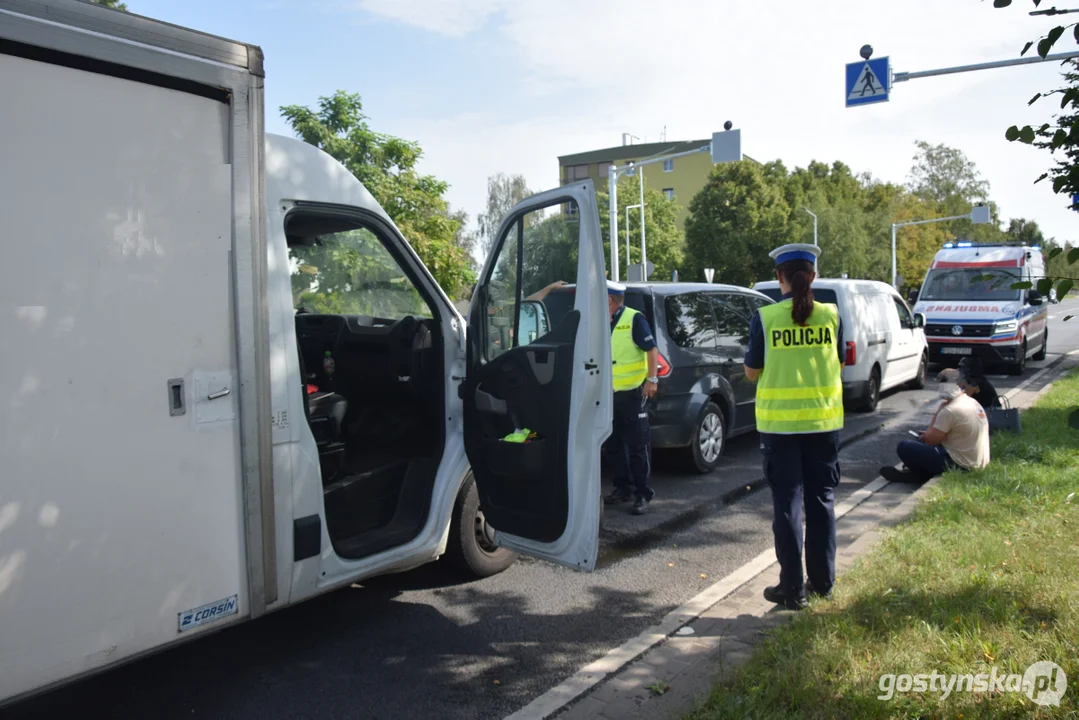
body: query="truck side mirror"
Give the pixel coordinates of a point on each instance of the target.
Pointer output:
(912, 297)
(532, 322)
(919, 320)
(1034, 297)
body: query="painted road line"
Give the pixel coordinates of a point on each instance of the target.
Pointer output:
(595, 672)
(592, 674)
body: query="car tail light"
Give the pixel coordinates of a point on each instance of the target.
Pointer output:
(852, 353)
(311, 389)
(664, 368)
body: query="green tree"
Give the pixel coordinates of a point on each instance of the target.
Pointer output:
(503, 192)
(1060, 138)
(664, 240)
(114, 4)
(849, 232)
(739, 216)
(949, 180)
(386, 165)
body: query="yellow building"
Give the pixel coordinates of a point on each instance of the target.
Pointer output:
(679, 179)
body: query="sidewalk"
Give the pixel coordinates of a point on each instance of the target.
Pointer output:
(701, 645)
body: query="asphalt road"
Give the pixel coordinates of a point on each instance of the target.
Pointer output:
(421, 645)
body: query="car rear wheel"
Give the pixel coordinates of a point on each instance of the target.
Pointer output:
(706, 444)
(471, 547)
(872, 391)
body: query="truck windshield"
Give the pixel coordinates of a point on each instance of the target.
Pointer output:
(972, 283)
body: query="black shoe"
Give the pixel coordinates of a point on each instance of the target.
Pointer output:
(618, 496)
(640, 506)
(891, 474)
(775, 594)
(810, 590)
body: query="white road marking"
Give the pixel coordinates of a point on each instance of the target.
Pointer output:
(594, 673)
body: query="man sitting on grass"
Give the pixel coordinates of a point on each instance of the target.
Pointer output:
(958, 437)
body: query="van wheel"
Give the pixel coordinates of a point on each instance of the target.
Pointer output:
(471, 547)
(706, 444)
(1020, 366)
(919, 380)
(1040, 355)
(872, 391)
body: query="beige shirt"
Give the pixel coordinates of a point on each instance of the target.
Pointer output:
(963, 421)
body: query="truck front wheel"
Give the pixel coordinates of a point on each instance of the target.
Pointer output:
(471, 547)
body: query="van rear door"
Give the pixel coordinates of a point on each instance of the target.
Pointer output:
(537, 396)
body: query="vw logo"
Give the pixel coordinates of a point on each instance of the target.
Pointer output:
(957, 329)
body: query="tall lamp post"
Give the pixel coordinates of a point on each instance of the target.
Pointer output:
(979, 215)
(814, 225)
(628, 208)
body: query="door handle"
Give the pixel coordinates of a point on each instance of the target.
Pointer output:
(590, 366)
(219, 394)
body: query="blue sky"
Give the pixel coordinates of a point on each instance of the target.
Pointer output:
(492, 86)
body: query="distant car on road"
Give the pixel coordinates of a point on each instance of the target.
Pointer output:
(702, 331)
(885, 342)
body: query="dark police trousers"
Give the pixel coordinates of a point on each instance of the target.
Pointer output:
(797, 467)
(629, 444)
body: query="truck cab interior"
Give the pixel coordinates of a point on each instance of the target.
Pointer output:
(370, 354)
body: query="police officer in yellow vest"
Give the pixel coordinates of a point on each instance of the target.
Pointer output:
(795, 356)
(635, 357)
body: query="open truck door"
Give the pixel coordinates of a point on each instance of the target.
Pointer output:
(537, 396)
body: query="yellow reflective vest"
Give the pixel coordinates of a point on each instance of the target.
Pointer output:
(800, 390)
(630, 362)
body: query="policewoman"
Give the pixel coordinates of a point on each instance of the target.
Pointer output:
(795, 356)
(635, 362)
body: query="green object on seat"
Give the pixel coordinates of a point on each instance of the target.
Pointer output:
(517, 436)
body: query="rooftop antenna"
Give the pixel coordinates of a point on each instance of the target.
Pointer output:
(627, 137)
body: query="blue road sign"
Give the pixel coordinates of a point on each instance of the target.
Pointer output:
(868, 81)
(1075, 202)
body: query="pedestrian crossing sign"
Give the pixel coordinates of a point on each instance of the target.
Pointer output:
(868, 81)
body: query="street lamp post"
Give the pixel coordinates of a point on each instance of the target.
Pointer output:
(979, 215)
(814, 225)
(628, 208)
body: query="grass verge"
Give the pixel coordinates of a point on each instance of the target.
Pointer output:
(984, 575)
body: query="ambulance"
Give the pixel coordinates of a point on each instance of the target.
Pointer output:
(971, 308)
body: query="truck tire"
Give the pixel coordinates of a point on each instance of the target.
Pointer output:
(1040, 355)
(872, 391)
(706, 443)
(470, 549)
(1020, 366)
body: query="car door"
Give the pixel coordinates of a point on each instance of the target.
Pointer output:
(551, 389)
(732, 339)
(906, 352)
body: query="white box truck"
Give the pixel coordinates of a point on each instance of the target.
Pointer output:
(228, 382)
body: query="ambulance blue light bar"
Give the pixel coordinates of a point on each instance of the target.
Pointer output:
(949, 245)
(965, 244)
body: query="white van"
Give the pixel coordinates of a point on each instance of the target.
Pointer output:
(229, 383)
(972, 310)
(885, 343)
